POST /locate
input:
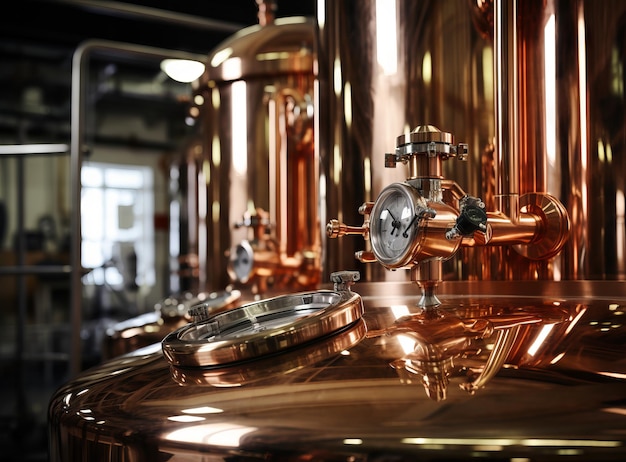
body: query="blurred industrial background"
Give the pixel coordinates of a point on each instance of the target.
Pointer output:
(135, 126)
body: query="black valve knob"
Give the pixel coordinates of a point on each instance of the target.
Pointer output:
(472, 218)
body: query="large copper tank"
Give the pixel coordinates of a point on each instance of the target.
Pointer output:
(244, 216)
(557, 116)
(497, 376)
(250, 175)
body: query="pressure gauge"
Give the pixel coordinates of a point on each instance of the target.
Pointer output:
(394, 219)
(241, 262)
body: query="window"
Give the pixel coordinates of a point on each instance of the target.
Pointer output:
(117, 206)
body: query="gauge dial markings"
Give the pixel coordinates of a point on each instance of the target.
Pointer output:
(394, 224)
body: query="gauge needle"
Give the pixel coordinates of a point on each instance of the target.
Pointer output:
(405, 233)
(395, 224)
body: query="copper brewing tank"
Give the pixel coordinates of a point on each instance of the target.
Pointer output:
(549, 96)
(250, 175)
(495, 375)
(243, 213)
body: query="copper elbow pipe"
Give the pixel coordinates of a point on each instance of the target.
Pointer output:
(537, 224)
(539, 231)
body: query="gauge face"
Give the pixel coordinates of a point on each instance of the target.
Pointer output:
(394, 224)
(241, 262)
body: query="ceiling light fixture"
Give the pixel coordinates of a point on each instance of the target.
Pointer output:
(182, 70)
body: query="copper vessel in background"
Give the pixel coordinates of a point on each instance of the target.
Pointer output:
(169, 314)
(243, 211)
(256, 215)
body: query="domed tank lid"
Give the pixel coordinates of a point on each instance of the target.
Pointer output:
(266, 327)
(284, 46)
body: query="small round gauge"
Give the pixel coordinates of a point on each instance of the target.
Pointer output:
(394, 225)
(241, 262)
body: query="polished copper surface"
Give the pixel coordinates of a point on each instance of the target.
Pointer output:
(524, 360)
(251, 183)
(282, 46)
(423, 63)
(532, 370)
(558, 118)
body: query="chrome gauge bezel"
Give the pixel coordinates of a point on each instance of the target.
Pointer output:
(395, 246)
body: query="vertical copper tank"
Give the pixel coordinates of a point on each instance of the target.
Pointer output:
(548, 91)
(386, 68)
(255, 160)
(561, 90)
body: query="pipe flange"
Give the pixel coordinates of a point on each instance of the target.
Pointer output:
(553, 229)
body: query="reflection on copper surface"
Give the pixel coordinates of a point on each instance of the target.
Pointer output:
(565, 396)
(433, 338)
(228, 435)
(559, 90)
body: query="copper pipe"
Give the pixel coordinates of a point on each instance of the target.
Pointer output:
(506, 110)
(504, 231)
